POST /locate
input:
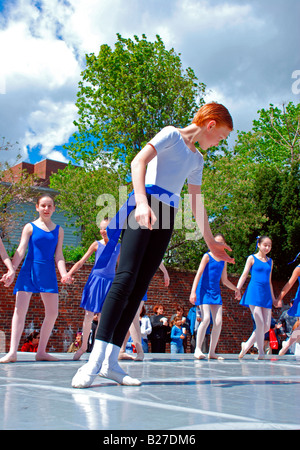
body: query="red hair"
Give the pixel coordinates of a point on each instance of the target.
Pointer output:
(213, 111)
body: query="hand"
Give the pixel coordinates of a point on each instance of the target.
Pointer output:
(193, 298)
(167, 280)
(144, 215)
(218, 249)
(277, 303)
(238, 294)
(67, 279)
(8, 278)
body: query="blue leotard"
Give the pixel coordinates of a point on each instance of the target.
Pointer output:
(208, 290)
(258, 292)
(99, 281)
(38, 273)
(295, 309)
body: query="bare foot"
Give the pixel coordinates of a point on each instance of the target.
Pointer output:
(198, 354)
(139, 356)
(10, 357)
(284, 348)
(214, 356)
(78, 354)
(124, 355)
(243, 352)
(45, 357)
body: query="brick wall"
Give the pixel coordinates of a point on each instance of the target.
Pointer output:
(237, 323)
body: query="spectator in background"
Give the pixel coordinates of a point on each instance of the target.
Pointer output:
(76, 344)
(180, 314)
(193, 321)
(31, 342)
(178, 334)
(160, 330)
(146, 329)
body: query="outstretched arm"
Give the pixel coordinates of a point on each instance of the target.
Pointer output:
(203, 263)
(287, 287)
(60, 260)
(143, 213)
(199, 211)
(248, 265)
(227, 283)
(9, 276)
(77, 266)
(166, 274)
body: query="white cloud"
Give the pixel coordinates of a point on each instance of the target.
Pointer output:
(244, 51)
(43, 122)
(41, 73)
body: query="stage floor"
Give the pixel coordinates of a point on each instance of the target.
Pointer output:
(177, 393)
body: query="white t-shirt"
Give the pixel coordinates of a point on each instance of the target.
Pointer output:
(175, 162)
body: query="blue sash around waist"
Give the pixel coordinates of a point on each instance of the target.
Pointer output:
(115, 226)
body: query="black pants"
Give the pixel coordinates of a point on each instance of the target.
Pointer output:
(142, 251)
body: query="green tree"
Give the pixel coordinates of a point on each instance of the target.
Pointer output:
(14, 192)
(79, 190)
(275, 137)
(127, 94)
(254, 189)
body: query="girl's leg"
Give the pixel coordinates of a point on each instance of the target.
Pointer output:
(216, 312)
(295, 337)
(135, 332)
(51, 311)
(205, 314)
(247, 345)
(261, 318)
(86, 329)
(18, 322)
(141, 254)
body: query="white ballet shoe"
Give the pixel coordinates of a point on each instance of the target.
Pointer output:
(119, 377)
(84, 376)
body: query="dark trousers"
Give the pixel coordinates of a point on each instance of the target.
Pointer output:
(141, 253)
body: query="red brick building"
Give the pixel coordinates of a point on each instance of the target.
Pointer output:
(237, 322)
(42, 170)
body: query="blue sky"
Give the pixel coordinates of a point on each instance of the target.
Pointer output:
(245, 51)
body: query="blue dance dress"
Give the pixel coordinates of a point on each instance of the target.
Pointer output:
(208, 290)
(258, 292)
(295, 309)
(38, 273)
(99, 281)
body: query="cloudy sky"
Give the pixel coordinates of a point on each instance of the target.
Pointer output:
(245, 51)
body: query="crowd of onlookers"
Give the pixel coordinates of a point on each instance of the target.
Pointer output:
(158, 330)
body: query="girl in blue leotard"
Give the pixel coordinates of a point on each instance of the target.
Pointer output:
(97, 285)
(259, 294)
(206, 293)
(44, 240)
(293, 311)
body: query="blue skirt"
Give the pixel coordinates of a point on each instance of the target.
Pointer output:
(295, 309)
(37, 276)
(95, 292)
(257, 295)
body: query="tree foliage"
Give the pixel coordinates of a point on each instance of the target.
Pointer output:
(79, 188)
(14, 191)
(254, 190)
(126, 95)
